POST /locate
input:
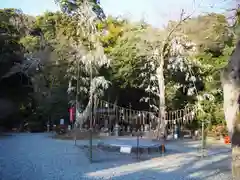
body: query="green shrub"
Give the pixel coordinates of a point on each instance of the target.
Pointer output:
(61, 129)
(35, 126)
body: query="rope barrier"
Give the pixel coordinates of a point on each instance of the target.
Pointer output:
(181, 116)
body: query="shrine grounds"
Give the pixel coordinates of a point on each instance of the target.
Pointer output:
(27, 156)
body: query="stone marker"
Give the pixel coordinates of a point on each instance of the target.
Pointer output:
(128, 129)
(126, 149)
(116, 129)
(146, 127)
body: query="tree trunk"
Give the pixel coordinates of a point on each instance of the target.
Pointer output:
(161, 87)
(236, 162)
(231, 111)
(85, 114)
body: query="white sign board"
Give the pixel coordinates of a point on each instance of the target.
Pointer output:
(124, 149)
(62, 121)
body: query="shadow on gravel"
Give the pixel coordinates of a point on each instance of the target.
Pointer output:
(115, 165)
(155, 166)
(192, 170)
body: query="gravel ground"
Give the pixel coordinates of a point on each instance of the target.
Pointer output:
(38, 157)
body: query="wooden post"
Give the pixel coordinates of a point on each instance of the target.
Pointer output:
(138, 134)
(203, 148)
(130, 115)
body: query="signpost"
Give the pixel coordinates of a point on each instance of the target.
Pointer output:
(61, 121)
(71, 116)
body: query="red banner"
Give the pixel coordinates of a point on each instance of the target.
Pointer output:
(71, 111)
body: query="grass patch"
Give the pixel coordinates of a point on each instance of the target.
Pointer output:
(3, 135)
